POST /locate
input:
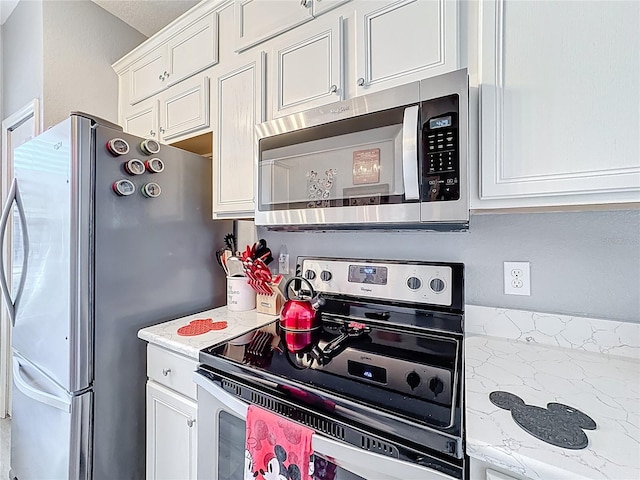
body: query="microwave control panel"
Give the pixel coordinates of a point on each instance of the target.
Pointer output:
(440, 150)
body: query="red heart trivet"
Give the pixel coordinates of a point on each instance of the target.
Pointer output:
(200, 326)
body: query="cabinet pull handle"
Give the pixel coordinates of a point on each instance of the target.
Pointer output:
(166, 74)
(190, 422)
(303, 3)
(166, 371)
(361, 82)
(333, 89)
(161, 78)
(161, 130)
(152, 133)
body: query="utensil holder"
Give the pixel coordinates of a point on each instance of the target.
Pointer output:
(269, 304)
(240, 295)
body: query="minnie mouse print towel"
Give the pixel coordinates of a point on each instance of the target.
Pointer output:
(276, 448)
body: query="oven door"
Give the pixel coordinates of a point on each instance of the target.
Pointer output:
(221, 444)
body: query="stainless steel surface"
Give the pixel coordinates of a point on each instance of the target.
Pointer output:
(432, 215)
(48, 427)
(13, 196)
(214, 401)
(442, 85)
(410, 153)
(101, 267)
(395, 286)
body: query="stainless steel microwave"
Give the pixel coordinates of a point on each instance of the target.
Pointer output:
(392, 159)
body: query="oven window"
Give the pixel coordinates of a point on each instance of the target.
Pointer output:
(231, 438)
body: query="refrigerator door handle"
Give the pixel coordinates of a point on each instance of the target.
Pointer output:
(13, 196)
(34, 393)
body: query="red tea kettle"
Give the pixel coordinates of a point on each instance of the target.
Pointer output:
(298, 320)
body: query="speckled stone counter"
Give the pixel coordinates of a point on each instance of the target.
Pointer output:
(532, 365)
(166, 334)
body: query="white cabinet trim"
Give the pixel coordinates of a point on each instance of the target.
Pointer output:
(494, 183)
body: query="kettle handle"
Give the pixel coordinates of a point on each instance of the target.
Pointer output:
(286, 287)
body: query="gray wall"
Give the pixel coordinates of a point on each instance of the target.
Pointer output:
(81, 41)
(582, 263)
(22, 51)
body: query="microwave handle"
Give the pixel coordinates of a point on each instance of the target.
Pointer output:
(410, 153)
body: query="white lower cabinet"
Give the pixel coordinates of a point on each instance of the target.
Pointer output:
(479, 470)
(171, 434)
(238, 104)
(172, 414)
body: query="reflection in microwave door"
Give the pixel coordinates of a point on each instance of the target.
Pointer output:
(366, 166)
(319, 188)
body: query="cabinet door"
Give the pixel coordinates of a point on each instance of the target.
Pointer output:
(193, 49)
(171, 435)
(142, 120)
(307, 67)
(402, 41)
(259, 20)
(238, 104)
(148, 75)
(322, 6)
(559, 110)
(184, 108)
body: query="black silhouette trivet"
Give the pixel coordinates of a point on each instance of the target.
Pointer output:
(558, 424)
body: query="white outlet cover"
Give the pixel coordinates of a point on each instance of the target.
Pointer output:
(517, 278)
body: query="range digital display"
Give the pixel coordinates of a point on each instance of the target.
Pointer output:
(370, 274)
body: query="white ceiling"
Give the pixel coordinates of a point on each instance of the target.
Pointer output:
(146, 16)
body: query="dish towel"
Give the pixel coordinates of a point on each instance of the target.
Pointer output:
(276, 448)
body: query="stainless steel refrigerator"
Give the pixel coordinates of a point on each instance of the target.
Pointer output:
(107, 237)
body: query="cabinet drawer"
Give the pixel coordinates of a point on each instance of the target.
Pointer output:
(171, 370)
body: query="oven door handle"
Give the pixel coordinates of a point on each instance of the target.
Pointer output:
(356, 460)
(230, 402)
(410, 153)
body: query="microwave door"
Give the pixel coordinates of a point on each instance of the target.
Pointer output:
(360, 170)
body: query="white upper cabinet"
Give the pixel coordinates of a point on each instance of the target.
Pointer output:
(184, 109)
(559, 103)
(180, 51)
(306, 66)
(142, 120)
(259, 20)
(398, 42)
(238, 104)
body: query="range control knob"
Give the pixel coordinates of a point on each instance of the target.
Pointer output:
(437, 285)
(413, 380)
(436, 386)
(151, 190)
(309, 274)
(414, 283)
(325, 275)
(155, 165)
(123, 187)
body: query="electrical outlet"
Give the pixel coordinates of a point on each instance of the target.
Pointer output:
(517, 280)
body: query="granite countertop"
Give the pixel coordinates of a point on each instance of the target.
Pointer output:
(166, 334)
(605, 387)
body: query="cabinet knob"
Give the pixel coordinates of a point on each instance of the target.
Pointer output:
(166, 371)
(166, 74)
(152, 133)
(161, 77)
(161, 130)
(304, 2)
(333, 89)
(361, 82)
(190, 422)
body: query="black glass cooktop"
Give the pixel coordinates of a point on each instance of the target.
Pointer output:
(400, 371)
